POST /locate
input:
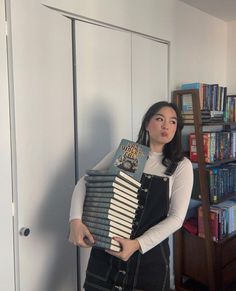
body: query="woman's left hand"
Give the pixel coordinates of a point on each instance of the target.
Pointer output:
(129, 246)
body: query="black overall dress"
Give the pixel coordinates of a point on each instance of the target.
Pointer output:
(142, 272)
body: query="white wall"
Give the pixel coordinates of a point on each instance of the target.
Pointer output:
(199, 47)
(198, 40)
(231, 60)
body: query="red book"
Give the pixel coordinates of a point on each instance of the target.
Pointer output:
(214, 224)
(193, 147)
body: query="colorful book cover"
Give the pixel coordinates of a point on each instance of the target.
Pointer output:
(131, 158)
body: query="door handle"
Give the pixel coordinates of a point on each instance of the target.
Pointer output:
(24, 231)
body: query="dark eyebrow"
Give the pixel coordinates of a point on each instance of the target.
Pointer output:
(173, 117)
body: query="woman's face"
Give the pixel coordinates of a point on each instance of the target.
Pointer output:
(162, 127)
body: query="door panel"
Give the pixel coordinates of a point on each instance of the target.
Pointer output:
(103, 96)
(116, 82)
(41, 51)
(149, 76)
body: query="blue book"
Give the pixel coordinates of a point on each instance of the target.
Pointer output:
(130, 157)
(188, 86)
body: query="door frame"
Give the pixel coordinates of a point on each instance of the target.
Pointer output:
(7, 265)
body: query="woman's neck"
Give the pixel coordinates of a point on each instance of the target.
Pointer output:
(156, 148)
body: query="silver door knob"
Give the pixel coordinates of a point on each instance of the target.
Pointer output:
(24, 231)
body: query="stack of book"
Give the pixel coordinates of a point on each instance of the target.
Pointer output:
(111, 200)
(205, 116)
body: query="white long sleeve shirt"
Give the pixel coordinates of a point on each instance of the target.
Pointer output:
(180, 188)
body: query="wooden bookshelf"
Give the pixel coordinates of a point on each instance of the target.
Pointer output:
(210, 263)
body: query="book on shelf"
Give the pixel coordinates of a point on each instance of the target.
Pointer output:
(130, 157)
(122, 191)
(221, 182)
(187, 86)
(211, 96)
(102, 196)
(86, 218)
(186, 104)
(230, 206)
(107, 181)
(213, 224)
(110, 216)
(193, 147)
(223, 219)
(205, 116)
(230, 109)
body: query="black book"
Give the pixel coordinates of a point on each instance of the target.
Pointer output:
(111, 184)
(106, 212)
(106, 230)
(110, 197)
(104, 190)
(105, 179)
(107, 222)
(106, 243)
(119, 174)
(108, 216)
(114, 205)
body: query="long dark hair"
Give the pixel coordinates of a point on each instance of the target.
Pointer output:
(172, 151)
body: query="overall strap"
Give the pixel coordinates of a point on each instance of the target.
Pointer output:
(171, 167)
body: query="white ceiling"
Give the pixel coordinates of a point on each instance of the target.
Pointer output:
(223, 9)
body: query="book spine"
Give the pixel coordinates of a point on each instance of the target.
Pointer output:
(97, 220)
(111, 201)
(105, 230)
(110, 206)
(108, 211)
(106, 245)
(103, 233)
(109, 217)
(109, 197)
(115, 189)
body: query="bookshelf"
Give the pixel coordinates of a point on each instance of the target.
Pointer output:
(202, 259)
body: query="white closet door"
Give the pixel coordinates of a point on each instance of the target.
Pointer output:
(104, 96)
(149, 76)
(44, 134)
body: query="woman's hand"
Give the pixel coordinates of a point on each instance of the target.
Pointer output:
(79, 234)
(128, 246)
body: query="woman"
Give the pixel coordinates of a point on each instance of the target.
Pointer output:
(143, 263)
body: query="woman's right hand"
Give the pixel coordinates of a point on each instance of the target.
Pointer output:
(80, 235)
